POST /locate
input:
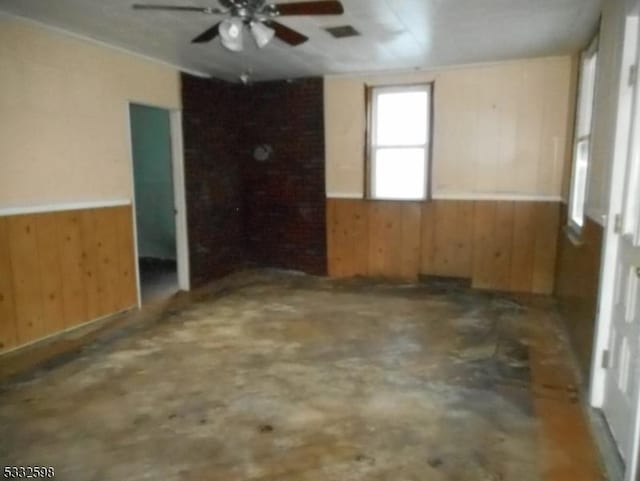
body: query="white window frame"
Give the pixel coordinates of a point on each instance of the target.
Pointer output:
(373, 147)
(585, 107)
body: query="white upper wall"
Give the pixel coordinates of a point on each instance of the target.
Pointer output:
(64, 115)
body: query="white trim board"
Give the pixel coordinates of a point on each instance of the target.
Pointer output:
(463, 196)
(134, 222)
(41, 209)
(180, 200)
(504, 197)
(344, 195)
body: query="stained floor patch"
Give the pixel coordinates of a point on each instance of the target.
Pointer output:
(288, 377)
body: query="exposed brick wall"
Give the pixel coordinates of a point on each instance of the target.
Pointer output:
(284, 196)
(241, 210)
(212, 177)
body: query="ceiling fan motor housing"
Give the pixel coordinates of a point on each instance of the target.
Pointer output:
(251, 10)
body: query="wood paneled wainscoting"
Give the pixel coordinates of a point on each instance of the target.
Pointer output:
(501, 245)
(62, 269)
(577, 281)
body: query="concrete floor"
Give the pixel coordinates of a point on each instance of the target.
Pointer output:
(158, 279)
(277, 376)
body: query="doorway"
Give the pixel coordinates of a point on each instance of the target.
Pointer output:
(158, 188)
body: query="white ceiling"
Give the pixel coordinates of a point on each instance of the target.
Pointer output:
(396, 34)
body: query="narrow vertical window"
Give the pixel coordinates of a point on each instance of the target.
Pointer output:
(582, 147)
(399, 142)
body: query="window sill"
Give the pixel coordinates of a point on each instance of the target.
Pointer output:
(378, 199)
(574, 236)
(368, 196)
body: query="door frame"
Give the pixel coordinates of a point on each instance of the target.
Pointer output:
(627, 58)
(179, 195)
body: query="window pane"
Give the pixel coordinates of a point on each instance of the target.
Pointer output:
(401, 118)
(587, 92)
(579, 180)
(399, 173)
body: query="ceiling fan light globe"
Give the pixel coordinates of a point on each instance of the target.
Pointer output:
(262, 34)
(234, 31)
(231, 34)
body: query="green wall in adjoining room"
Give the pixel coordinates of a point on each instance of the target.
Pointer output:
(151, 141)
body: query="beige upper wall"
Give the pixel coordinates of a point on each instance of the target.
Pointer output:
(63, 111)
(499, 129)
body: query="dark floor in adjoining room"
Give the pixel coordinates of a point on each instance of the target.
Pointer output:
(279, 376)
(158, 278)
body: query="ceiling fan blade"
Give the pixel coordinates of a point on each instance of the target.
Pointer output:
(322, 7)
(207, 35)
(176, 8)
(286, 34)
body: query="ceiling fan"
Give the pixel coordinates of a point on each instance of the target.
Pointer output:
(256, 15)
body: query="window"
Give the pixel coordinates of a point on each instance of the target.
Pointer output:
(582, 147)
(399, 142)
